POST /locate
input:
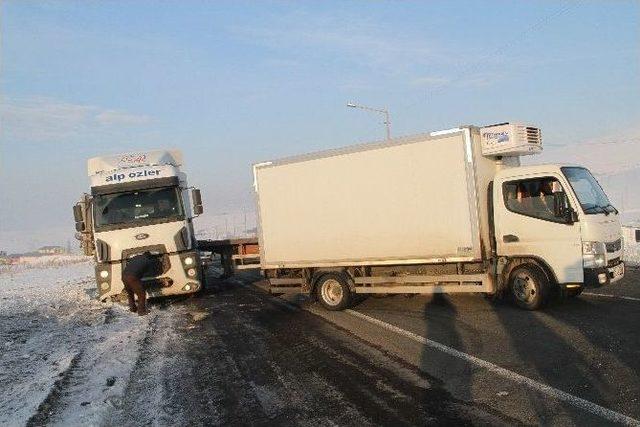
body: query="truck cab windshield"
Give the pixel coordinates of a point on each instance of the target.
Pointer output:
(136, 207)
(590, 195)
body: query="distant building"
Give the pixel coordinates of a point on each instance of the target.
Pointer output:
(51, 250)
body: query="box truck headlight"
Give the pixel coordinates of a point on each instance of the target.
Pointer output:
(188, 261)
(191, 272)
(104, 286)
(104, 274)
(593, 254)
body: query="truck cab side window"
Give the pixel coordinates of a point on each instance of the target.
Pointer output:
(637, 235)
(536, 197)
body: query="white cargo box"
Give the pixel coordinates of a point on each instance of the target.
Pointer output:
(510, 139)
(411, 200)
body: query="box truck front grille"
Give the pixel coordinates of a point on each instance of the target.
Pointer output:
(614, 246)
(613, 262)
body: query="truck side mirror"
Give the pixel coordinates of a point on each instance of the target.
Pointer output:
(573, 216)
(197, 201)
(79, 218)
(561, 208)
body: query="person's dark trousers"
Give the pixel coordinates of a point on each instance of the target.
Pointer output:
(134, 288)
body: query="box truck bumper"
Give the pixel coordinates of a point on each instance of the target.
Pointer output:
(596, 277)
(184, 276)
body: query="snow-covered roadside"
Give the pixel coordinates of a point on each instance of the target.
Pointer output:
(64, 356)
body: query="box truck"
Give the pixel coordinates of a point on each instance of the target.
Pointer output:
(449, 211)
(141, 202)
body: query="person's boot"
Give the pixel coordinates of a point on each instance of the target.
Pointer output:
(142, 306)
(132, 304)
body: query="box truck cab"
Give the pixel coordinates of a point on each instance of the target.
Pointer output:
(560, 216)
(140, 202)
(449, 211)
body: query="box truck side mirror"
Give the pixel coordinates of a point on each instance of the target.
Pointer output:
(561, 208)
(197, 201)
(78, 215)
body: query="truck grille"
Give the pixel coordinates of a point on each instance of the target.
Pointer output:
(158, 250)
(613, 262)
(614, 246)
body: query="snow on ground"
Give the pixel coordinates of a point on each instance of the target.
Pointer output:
(49, 260)
(64, 356)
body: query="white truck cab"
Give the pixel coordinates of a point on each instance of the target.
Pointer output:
(560, 216)
(140, 202)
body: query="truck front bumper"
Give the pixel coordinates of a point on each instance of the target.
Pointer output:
(596, 277)
(179, 277)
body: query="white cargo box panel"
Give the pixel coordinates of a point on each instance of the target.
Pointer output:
(400, 202)
(510, 139)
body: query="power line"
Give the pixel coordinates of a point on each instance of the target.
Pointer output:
(534, 27)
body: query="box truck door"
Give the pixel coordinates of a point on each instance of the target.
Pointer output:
(530, 221)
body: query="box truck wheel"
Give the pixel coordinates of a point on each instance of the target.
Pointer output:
(530, 287)
(333, 291)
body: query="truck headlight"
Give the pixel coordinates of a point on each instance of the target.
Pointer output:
(104, 274)
(188, 261)
(594, 254)
(191, 272)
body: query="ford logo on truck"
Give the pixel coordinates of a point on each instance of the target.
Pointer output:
(141, 236)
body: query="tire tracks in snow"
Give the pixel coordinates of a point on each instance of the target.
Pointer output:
(49, 405)
(55, 399)
(93, 383)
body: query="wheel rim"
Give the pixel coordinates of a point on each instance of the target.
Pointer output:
(524, 287)
(332, 292)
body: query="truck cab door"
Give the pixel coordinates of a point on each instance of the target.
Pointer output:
(530, 222)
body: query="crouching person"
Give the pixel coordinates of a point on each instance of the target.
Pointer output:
(138, 267)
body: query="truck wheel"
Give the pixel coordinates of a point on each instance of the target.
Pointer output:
(530, 287)
(333, 292)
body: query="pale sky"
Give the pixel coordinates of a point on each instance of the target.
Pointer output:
(233, 83)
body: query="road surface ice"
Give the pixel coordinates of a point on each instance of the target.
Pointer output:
(235, 355)
(229, 356)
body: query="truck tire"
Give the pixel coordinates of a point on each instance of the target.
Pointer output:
(529, 287)
(333, 292)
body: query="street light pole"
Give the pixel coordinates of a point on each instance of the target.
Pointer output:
(387, 120)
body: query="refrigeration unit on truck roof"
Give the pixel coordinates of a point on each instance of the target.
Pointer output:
(510, 139)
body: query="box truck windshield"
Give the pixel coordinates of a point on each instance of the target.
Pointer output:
(591, 196)
(137, 207)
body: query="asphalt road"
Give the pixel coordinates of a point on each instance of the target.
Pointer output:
(236, 355)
